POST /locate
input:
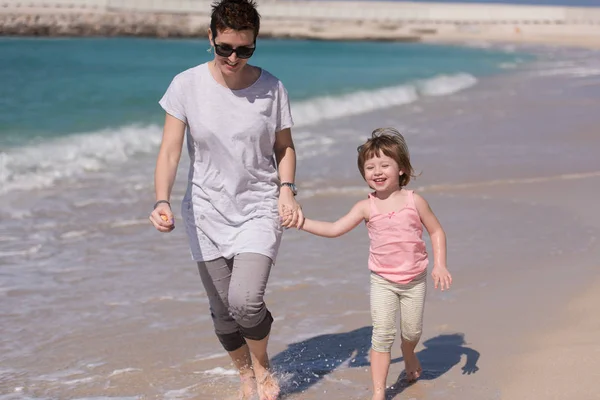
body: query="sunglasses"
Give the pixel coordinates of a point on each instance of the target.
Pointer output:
(225, 50)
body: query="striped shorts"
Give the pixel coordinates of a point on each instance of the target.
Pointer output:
(387, 298)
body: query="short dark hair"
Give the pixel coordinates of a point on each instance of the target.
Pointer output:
(238, 15)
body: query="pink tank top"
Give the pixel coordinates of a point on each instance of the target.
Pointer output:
(397, 251)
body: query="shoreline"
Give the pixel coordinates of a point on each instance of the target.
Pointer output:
(586, 42)
(173, 26)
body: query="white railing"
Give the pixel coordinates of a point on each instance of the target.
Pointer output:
(174, 6)
(53, 4)
(339, 10)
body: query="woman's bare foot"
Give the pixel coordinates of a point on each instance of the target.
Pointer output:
(247, 387)
(412, 367)
(268, 387)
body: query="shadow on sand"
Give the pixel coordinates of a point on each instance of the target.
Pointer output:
(305, 363)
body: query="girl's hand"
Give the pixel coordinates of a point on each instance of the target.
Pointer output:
(290, 211)
(441, 277)
(162, 218)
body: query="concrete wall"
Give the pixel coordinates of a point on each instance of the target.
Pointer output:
(336, 10)
(22, 5)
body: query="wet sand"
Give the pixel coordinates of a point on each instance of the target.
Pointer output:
(558, 358)
(562, 362)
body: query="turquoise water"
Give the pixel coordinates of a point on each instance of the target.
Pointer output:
(55, 87)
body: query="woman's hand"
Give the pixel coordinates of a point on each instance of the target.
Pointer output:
(162, 218)
(290, 211)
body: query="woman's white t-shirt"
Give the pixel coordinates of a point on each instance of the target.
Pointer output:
(230, 205)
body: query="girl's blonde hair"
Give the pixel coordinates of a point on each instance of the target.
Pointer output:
(391, 143)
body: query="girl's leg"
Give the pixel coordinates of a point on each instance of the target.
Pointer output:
(412, 366)
(412, 304)
(216, 277)
(384, 309)
(246, 304)
(380, 366)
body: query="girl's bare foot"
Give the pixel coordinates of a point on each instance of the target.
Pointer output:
(268, 387)
(247, 387)
(412, 367)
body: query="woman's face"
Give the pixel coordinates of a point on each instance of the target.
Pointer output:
(232, 49)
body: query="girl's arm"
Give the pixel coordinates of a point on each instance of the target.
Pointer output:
(285, 155)
(343, 225)
(441, 276)
(166, 169)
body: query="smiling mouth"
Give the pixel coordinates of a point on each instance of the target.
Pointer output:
(379, 180)
(231, 64)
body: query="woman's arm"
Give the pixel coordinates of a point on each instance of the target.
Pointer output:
(440, 274)
(285, 155)
(166, 169)
(343, 225)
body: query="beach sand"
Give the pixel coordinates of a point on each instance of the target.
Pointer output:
(564, 361)
(507, 329)
(584, 36)
(559, 356)
(584, 39)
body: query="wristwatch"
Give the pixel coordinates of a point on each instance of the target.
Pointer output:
(291, 186)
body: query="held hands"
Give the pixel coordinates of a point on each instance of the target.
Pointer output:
(290, 211)
(441, 277)
(162, 218)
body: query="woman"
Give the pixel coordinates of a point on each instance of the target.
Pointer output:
(240, 189)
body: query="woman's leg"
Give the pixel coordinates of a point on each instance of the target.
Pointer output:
(412, 305)
(242, 361)
(384, 310)
(216, 277)
(246, 304)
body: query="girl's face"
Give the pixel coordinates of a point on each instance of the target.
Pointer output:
(232, 49)
(382, 173)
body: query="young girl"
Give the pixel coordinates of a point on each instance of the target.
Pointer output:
(398, 258)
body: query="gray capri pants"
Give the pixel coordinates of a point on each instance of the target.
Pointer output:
(235, 289)
(387, 298)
